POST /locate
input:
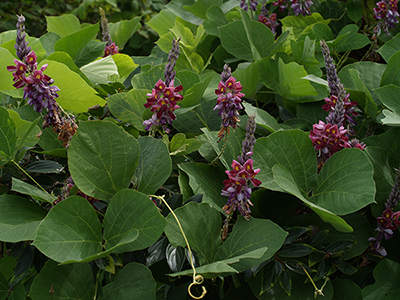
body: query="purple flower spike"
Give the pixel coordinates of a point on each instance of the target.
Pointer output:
(386, 13)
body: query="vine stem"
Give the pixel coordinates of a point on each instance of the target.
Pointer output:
(197, 279)
(222, 151)
(318, 292)
(30, 177)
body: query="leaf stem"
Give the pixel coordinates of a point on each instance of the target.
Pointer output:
(30, 177)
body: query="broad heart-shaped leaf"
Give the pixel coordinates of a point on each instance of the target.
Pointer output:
(100, 70)
(128, 210)
(8, 136)
(223, 267)
(390, 48)
(18, 292)
(346, 289)
(202, 227)
(19, 218)
(129, 107)
(3, 287)
(71, 231)
(263, 118)
(247, 236)
(235, 41)
(391, 74)
(162, 22)
(73, 281)
(74, 43)
(293, 150)
(387, 281)
(207, 180)
(345, 183)
(286, 182)
(154, 166)
(353, 40)
(390, 97)
(123, 30)
(215, 19)
(133, 282)
(102, 158)
(302, 25)
(233, 147)
(200, 8)
(63, 25)
(26, 131)
(75, 94)
(179, 145)
(28, 189)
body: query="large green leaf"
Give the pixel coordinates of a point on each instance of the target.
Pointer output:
(75, 94)
(302, 25)
(387, 281)
(102, 158)
(8, 136)
(162, 22)
(345, 183)
(3, 288)
(176, 6)
(28, 189)
(391, 74)
(346, 289)
(123, 30)
(287, 183)
(233, 147)
(154, 166)
(18, 292)
(249, 78)
(73, 281)
(235, 41)
(133, 282)
(202, 227)
(26, 131)
(248, 236)
(304, 51)
(75, 42)
(352, 40)
(128, 210)
(129, 107)
(63, 25)
(207, 180)
(100, 70)
(390, 48)
(19, 218)
(263, 118)
(215, 19)
(293, 150)
(390, 97)
(71, 231)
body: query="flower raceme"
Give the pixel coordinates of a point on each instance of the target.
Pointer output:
(229, 103)
(237, 187)
(349, 108)
(162, 102)
(386, 12)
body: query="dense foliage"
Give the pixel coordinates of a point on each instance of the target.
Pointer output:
(252, 155)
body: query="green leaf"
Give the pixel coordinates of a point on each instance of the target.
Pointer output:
(100, 70)
(129, 107)
(27, 189)
(390, 48)
(147, 80)
(235, 41)
(303, 51)
(353, 40)
(8, 136)
(296, 250)
(354, 11)
(291, 149)
(26, 131)
(129, 210)
(176, 6)
(286, 182)
(386, 286)
(44, 166)
(215, 19)
(154, 166)
(63, 25)
(102, 158)
(202, 227)
(194, 94)
(322, 31)
(390, 97)
(73, 281)
(125, 64)
(345, 183)
(71, 231)
(263, 118)
(181, 146)
(390, 76)
(302, 25)
(200, 7)
(123, 30)
(75, 42)
(346, 289)
(247, 236)
(75, 94)
(388, 117)
(18, 292)
(133, 282)
(207, 180)
(3, 287)
(249, 78)
(19, 218)
(233, 147)
(162, 22)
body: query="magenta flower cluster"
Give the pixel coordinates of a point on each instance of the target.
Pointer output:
(271, 21)
(162, 102)
(229, 103)
(245, 6)
(37, 86)
(349, 108)
(386, 12)
(238, 189)
(298, 7)
(110, 50)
